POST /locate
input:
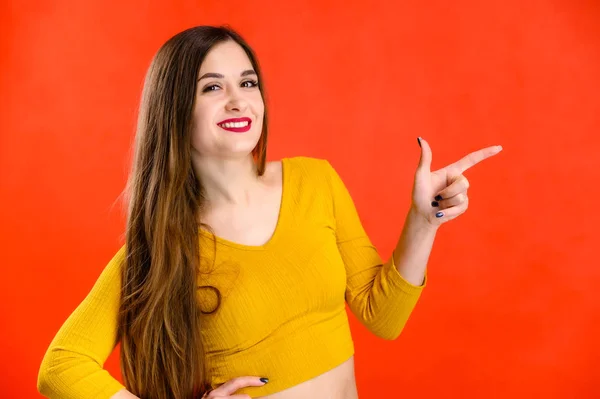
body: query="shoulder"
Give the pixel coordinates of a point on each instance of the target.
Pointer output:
(309, 166)
(114, 267)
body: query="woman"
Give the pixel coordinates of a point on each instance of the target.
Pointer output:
(234, 275)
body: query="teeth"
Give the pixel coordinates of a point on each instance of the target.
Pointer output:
(234, 124)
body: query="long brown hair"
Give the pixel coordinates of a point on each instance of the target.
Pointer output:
(162, 355)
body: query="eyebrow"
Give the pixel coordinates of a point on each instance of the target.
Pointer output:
(220, 76)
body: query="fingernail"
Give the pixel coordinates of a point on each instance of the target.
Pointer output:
(265, 380)
(438, 198)
(439, 214)
(419, 141)
(435, 203)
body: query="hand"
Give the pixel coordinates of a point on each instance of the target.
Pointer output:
(226, 390)
(441, 196)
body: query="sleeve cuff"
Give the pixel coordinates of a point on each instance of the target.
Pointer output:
(393, 275)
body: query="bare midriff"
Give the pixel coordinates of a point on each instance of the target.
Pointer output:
(337, 383)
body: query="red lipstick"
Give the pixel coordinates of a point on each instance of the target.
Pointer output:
(236, 129)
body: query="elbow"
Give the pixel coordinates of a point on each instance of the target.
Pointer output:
(44, 383)
(388, 334)
(66, 373)
(389, 337)
(51, 375)
(385, 322)
(46, 379)
(387, 328)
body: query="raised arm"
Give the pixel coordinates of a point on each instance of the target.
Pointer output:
(375, 291)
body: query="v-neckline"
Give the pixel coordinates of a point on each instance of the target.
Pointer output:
(278, 226)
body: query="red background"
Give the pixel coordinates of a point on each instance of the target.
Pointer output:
(511, 309)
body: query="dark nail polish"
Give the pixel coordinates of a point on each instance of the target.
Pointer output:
(265, 380)
(438, 198)
(419, 141)
(439, 214)
(435, 203)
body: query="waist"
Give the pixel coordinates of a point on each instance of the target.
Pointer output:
(287, 359)
(337, 383)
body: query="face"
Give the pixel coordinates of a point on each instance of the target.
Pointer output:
(227, 89)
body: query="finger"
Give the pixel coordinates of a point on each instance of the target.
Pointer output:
(473, 158)
(234, 384)
(452, 212)
(426, 155)
(458, 184)
(450, 202)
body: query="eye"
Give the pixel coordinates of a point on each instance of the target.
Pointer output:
(253, 83)
(214, 87)
(209, 88)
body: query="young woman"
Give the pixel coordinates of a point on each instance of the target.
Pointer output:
(235, 270)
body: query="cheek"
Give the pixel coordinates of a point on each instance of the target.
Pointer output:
(198, 141)
(201, 114)
(259, 110)
(259, 105)
(201, 127)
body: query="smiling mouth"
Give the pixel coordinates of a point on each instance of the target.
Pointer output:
(234, 124)
(237, 127)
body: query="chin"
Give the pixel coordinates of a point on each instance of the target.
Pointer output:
(243, 148)
(246, 141)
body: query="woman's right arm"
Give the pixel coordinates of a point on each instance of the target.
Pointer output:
(72, 367)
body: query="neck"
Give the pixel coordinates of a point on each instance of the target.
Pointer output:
(227, 181)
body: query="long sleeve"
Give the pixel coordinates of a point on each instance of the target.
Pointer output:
(376, 293)
(72, 367)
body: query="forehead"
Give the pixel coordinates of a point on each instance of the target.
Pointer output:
(227, 58)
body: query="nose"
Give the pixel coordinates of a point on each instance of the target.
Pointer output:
(236, 102)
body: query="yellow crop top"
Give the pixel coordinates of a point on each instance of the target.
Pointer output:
(282, 313)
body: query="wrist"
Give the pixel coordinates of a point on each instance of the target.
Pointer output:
(420, 222)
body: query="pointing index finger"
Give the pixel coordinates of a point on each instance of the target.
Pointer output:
(474, 158)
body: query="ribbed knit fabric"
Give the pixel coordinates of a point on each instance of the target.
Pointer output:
(282, 313)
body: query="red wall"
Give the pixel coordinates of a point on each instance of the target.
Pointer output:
(511, 309)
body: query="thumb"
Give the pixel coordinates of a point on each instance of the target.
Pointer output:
(425, 160)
